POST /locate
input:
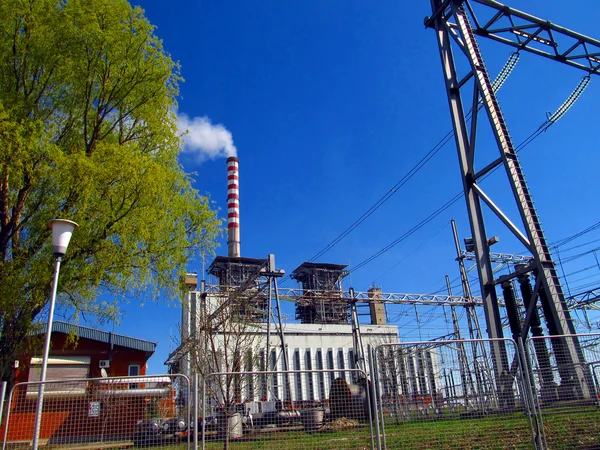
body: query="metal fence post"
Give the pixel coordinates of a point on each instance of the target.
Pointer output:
(195, 411)
(2, 395)
(537, 429)
(203, 420)
(374, 389)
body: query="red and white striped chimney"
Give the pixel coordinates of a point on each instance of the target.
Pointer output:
(233, 208)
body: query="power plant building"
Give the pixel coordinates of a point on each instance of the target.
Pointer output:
(320, 338)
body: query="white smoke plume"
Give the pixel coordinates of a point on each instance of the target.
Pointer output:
(205, 140)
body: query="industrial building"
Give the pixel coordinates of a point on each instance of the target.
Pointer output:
(321, 338)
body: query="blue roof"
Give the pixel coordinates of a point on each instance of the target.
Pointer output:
(103, 336)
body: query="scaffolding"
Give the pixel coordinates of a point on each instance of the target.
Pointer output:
(238, 279)
(322, 301)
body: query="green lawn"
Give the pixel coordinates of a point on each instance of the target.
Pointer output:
(509, 431)
(576, 430)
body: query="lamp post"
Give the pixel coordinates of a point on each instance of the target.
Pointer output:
(61, 235)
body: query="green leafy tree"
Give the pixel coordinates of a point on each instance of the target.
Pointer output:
(88, 133)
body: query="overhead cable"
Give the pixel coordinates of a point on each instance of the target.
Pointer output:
(496, 85)
(576, 235)
(563, 109)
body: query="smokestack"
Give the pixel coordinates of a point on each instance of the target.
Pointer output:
(233, 208)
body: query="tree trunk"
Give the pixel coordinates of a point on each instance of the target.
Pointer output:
(12, 336)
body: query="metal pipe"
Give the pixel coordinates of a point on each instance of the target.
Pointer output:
(477, 347)
(462, 354)
(267, 358)
(535, 416)
(196, 378)
(2, 395)
(40, 402)
(10, 400)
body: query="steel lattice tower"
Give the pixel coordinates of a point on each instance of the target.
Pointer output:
(455, 22)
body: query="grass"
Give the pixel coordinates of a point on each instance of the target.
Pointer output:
(576, 430)
(509, 431)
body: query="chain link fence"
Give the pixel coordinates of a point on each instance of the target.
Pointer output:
(101, 413)
(453, 394)
(485, 394)
(296, 409)
(567, 391)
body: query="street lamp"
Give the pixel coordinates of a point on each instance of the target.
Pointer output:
(61, 235)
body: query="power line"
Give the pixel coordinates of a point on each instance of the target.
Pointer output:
(580, 255)
(435, 213)
(580, 245)
(411, 173)
(423, 243)
(496, 85)
(409, 233)
(552, 119)
(576, 235)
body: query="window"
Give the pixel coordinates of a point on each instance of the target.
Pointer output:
(341, 364)
(273, 378)
(321, 375)
(330, 365)
(298, 375)
(264, 388)
(309, 377)
(60, 368)
(134, 371)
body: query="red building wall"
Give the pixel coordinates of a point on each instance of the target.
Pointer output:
(122, 357)
(67, 418)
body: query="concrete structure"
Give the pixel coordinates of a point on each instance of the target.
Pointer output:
(376, 306)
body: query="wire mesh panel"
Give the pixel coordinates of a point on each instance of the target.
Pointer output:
(567, 393)
(101, 412)
(298, 409)
(449, 394)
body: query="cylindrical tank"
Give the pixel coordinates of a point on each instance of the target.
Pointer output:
(234, 425)
(312, 418)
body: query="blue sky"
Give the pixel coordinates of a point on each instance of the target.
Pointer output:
(330, 103)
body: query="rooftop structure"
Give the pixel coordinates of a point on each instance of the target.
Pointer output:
(239, 277)
(322, 301)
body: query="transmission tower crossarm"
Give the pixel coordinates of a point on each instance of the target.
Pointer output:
(529, 33)
(506, 258)
(588, 299)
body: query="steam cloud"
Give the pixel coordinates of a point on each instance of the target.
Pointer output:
(205, 140)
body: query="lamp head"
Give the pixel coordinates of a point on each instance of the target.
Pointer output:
(61, 235)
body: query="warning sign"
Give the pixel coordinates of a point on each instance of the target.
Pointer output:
(94, 409)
